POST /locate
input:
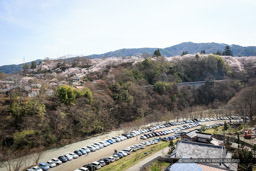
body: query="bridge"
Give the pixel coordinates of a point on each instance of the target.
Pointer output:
(195, 85)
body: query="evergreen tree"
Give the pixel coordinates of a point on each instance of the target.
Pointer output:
(184, 53)
(218, 53)
(157, 53)
(33, 65)
(227, 51)
(25, 66)
(225, 126)
(202, 52)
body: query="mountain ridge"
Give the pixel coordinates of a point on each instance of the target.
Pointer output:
(174, 50)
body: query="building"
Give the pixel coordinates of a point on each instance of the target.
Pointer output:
(197, 136)
(198, 150)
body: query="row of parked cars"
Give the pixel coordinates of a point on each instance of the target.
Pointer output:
(116, 156)
(148, 133)
(177, 130)
(77, 153)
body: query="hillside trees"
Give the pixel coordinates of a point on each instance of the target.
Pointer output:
(33, 65)
(68, 94)
(246, 99)
(184, 53)
(227, 51)
(157, 53)
(140, 93)
(221, 91)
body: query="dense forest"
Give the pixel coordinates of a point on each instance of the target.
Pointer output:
(125, 93)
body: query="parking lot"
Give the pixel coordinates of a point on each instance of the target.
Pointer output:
(109, 150)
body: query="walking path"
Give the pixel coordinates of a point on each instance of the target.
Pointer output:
(137, 166)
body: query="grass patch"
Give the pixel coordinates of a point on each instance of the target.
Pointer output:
(134, 157)
(219, 130)
(158, 166)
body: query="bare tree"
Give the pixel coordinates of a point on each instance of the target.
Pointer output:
(12, 164)
(246, 99)
(37, 155)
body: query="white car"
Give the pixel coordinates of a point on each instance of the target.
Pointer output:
(36, 168)
(116, 157)
(69, 157)
(107, 143)
(51, 163)
(86, 149)
(83, 169)
(124, 153)
(96, 146)
(96, 164)
(112, 158)
(74, 156)
(102, 143)
(57, 161)
(92, 148)
(99, 144)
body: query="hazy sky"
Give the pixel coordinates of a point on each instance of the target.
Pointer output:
(36, 29)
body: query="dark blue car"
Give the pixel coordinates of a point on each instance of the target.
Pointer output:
(63, 159)
(110, 141)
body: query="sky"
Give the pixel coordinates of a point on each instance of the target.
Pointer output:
(36, 29)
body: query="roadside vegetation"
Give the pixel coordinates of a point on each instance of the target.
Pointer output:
(158, 166)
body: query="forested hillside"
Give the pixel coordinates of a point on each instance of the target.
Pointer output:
(188, 47)
(145, 91)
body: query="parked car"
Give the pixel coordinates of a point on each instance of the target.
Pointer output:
(107, 160)
(63, 159)
(51, 164)
(69, 157)
(86, 149)
(96, 164)
(143, 137)
(92, 149)
(44, 166)
(73, 155)
(77, 152)
(90, 167)
(36, 168)
(164, 139)
(82, 169)
(82, 151)
(57, 161)
(116, 156)
(102, 162)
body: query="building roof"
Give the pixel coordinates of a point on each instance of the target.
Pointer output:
(192, 134)
(179, 166)
(210, 168)
(204, 135)
(185, 167)
(198, 150)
